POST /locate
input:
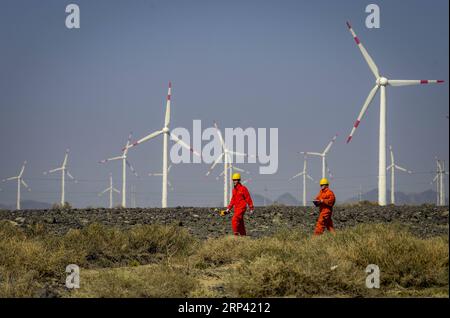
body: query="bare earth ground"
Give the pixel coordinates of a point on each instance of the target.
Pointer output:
(424, 220)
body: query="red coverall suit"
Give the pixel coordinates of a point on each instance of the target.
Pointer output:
(239, 200)
(326, 209)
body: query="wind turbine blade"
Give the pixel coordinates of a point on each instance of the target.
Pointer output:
(373, 67)
(155, 174)
(363, 111)
(66, 155)
(115, 190)
(128, 144)
(312, 153)
(69, 175)
(104, 191)
(403, 169)
(169, 95)
(413, 82)
(130, 136)
(110, 159)
(170, 167)
(220, 135)
(183, 144)
(239, 169)
(131, 168)
(435, 178)
(54, 170)
(388, 168)
(24, 184)
(11, 178)
(309, 177)
(296, 176)
(23, 168)
(329, 145)
(148, 137)
(214, 164)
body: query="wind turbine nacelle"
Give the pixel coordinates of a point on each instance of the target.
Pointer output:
(383, 81)
(165, 130)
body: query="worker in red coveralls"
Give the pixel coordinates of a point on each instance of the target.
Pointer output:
(325, 201)
(239, 200)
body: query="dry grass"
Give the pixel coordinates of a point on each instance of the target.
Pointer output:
(165, 261)
(307, 267)
(154, 281)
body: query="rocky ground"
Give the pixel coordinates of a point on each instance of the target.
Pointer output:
(424, 220)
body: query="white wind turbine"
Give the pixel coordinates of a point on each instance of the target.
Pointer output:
(381, 84)
(125, 163)
(323, 155)
(440, 182)
(111, 189)
(305, 175)
(20, 182)
(165, 131)
(437, 180)
(227, 159)
(64, 171)
(393, 166)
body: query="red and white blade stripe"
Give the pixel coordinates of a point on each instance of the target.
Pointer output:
(169, 93)
(363, 111)
(330, 144)
(413, 82)
(373, 67)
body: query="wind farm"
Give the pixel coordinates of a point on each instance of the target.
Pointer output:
(187, 121)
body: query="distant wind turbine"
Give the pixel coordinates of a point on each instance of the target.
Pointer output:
(305, 175)
(20, 182)
(440, 182)
(381, 84)
(323, 155)
(64, 171)
(110, 189)
(393, 166)
(125, 163)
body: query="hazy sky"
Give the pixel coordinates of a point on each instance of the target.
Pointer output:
(292, 65)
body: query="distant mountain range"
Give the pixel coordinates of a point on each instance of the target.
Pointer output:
(428, 196)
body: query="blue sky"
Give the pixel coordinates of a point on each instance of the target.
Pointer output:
(286, 64)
